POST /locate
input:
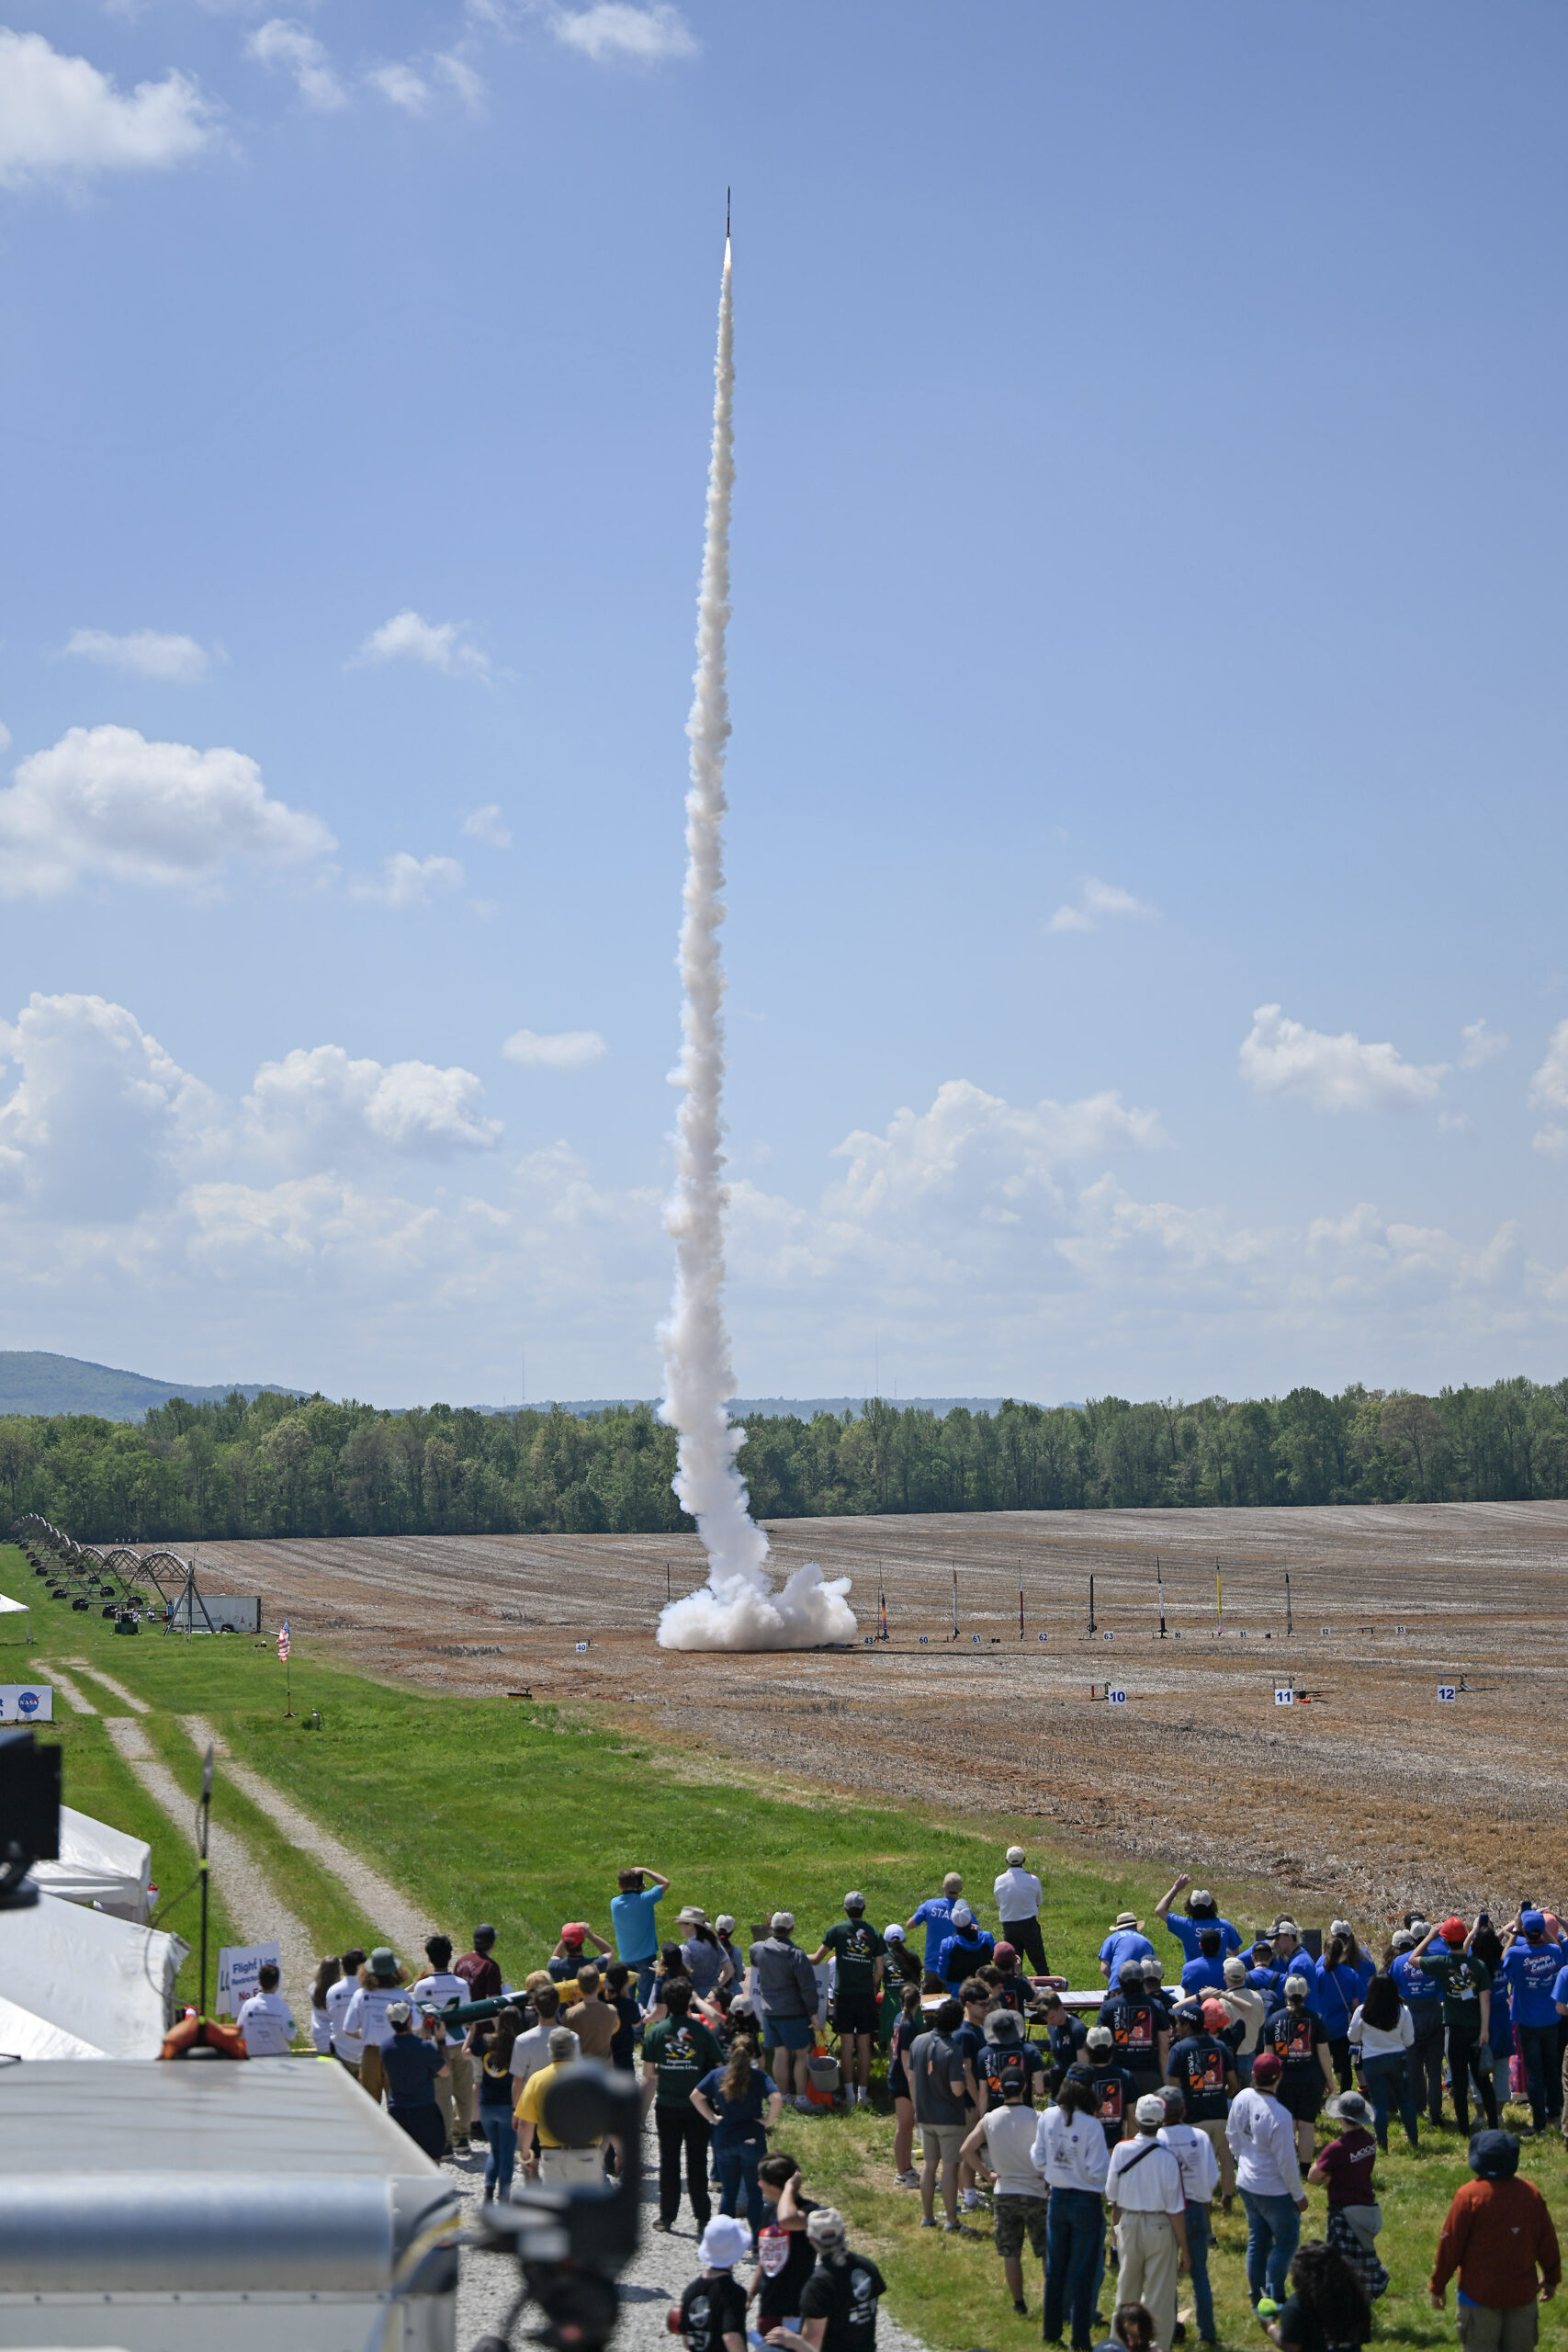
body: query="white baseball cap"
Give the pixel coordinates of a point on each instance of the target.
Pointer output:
(1015, 1855)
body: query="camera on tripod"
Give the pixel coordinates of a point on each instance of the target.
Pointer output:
(571, 2244)
(29, 1814)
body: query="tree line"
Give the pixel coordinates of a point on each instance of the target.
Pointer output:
(307, 1466)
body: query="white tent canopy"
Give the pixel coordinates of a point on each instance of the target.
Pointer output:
(10, 1608)
(97, 1864)
(24, 2036)
(100, 1979)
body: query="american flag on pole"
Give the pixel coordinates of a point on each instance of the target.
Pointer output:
(283, 1641)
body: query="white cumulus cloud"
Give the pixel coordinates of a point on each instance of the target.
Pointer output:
(402, 86)
(408, 636)
(282, 43)
(614, 32)
(1480, 1045)
(566, 1049)
(317, 1108)
(1549, 1091)
(60, 117)
(409, 881)
(487, 824)
(101, 1118)
(104, 802)
(1099, 902)
(1283, 1056)
(146, 653)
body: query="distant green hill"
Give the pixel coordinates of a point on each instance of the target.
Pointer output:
(32, 1381)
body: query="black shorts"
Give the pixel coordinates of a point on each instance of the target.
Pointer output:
(855, 2012)
(1301, 2094)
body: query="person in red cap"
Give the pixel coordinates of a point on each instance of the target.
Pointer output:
(1444, 1953)
(567, 1956)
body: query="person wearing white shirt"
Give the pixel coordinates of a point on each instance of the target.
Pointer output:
(454, 2089)
(1071, 2156)
(531, 2050)
(1384, 2030)
(1018, 1895)
(348, 2048)
(1263, 2141)
(1194, 2152)
(381, 1982)
(1003, 2143)
(266, 2019)
(1148, 2211)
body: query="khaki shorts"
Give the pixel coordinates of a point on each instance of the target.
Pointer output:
(1017, 2218)
(943, 2141)
(1213, 2127)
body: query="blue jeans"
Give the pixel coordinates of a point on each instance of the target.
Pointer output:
(737, 2171)
(1075, 2242)
(1198, 2265)
(644, 1981)
(1385, 2074)
(1273, 2234)
(1537, 2048)
(501, 2132)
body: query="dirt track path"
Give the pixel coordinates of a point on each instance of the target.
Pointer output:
(258, 1914)
(397, 1919)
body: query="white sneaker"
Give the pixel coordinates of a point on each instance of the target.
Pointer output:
(862, 2097)
(970, 2201)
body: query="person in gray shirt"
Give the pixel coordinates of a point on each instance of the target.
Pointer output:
(784, 1989)
(936, 2077)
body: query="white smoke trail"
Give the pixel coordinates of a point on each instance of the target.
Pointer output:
(737, 1608)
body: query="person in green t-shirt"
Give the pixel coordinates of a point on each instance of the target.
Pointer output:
(856, 1952)
(676, 2054)
(1467, 2015)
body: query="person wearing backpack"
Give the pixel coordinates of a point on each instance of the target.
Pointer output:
(1007, 2061)
(1147, 2199)
(1002, 2143)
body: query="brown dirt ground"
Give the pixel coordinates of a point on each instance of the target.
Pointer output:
(1371, 1791)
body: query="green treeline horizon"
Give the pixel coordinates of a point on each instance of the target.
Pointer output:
(282, 1466)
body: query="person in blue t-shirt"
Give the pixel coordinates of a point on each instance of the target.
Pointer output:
(635, 1925)
(1203, 1911)
(966, 1948)
(935, 1916)
(1531, 1969)
(1205, 1971)
(1342, 1976)
(1126, 1941)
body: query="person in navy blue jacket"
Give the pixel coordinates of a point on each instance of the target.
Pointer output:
(1343, 1975)
(1529, 1968)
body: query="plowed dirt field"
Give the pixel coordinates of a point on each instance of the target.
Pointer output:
(1368, 1788)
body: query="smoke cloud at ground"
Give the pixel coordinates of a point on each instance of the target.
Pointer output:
(738, 1608)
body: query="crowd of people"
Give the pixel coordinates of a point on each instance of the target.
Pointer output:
(1272, 2065)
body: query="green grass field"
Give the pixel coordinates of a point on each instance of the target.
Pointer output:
(504, 1810)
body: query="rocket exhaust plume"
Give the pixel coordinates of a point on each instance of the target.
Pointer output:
(738, 1608)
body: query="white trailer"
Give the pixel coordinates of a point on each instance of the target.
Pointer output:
(257, 2205)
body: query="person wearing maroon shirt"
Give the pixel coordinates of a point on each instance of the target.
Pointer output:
(476, 1969)
(1345, 2168)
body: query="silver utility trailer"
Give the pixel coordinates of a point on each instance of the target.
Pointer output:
(214, 2206)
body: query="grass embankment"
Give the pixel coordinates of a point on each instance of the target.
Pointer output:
(485, 1807)
(98, 1781)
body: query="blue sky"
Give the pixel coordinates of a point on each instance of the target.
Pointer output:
(1148, 696)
